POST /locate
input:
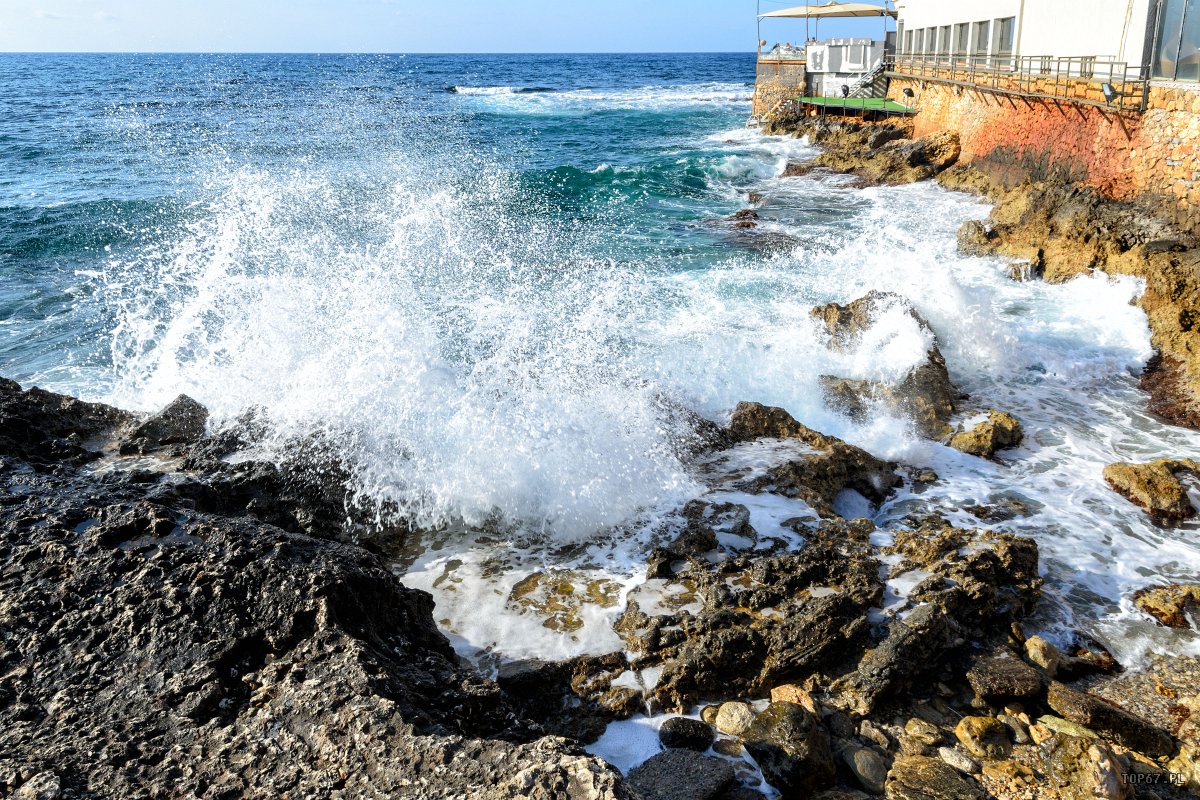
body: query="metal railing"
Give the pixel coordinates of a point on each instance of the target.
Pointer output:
(1086, 80)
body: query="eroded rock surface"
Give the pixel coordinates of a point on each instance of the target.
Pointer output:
(148, 644)
(999, 431)
(1155, 487)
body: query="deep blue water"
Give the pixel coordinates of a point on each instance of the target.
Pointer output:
(110, 157)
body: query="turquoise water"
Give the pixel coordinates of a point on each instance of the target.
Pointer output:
(482, 276)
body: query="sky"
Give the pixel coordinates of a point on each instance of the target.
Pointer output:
(391, 26)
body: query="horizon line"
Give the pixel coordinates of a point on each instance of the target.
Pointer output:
(374, 53)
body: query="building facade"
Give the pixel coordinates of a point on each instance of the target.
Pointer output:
(1161, 37)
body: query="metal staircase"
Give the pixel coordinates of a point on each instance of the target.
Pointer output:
(865, 80)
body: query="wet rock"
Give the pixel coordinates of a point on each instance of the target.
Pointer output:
(974, 239)
(708, 715)
(925, 394)
(1016, 727)
(44, 429)
(792, 749)
(869, 768)
(681, 775)
(1043, 654)
(791, 693)
(999, 431)
(1084, 769)
(573, 698)
(817, 478)
(959, 760)
(174, 644)
(1171, 605)
(984, 737)
(1004, 677)
(875, 734)
(181, 422)
(1121, 726)
(922, 731)
(894, 162)
(1155, 487)
(685, 733)
(921, 778)
(734, 718)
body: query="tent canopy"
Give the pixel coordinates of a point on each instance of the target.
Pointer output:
(831, 10)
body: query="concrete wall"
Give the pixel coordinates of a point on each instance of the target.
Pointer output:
(1152, 158)
(1113, 28)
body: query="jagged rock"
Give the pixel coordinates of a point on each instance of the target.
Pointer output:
(1187, 766)
(734, 718)
(681, 775)
(921, 778)
(1155, 487)
(1084, 769)
(869, 768)
(1121, 726)
(182, 421)
(925, 394)
(922, 731)
(791, 749)
(984, 737)
(685, 733)
(1169, 604)
(791, 693)
(974, 239)
(999, 431)
(1004, 676)
(817, 479)
(894, 162)
(155, 645)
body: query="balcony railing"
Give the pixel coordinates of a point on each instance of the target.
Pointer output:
(1087, 80)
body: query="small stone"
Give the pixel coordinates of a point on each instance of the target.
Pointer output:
(1052, 725)
(1009, 771)
(734, 718)
(984, 737)
(708, 715)
(873, 733)
(791, 693)
(728, 747)
(869, 768)
(959, 760)
(1043, 654)
(923, 731)
(1019, 730)
(689, 734)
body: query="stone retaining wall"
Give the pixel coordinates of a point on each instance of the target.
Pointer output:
(775, 82)
(1152, 158)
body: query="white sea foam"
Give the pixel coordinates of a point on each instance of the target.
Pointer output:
(480, 367)
(514, 99)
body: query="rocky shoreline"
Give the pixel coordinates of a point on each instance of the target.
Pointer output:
(181, 619)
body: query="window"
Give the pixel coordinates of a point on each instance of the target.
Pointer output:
(962, 39)
(983, 33)
(944, 39)
(1178, 54)
(931, 40)
(1004, 36)
(908, 42)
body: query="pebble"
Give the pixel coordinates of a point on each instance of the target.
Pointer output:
(959, 760)
(734, 718)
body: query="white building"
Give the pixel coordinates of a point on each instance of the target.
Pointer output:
(1162, 35)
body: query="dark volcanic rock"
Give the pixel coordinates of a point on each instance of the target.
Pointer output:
(1119, 725)
(685, 733)
(1003, 677)
(147, 645)
(181, 422)
(925, 394)
(681, 775)
(792, 749)
(817, 479)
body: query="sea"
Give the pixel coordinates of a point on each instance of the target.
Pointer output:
(489, 279)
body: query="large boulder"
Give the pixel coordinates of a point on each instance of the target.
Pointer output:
(895, 161)
(1122, 727)
(1155, 487)
(914, 777)
(998, 431)
(817, 477)
(925, 394)
(1084, 769)
(681, 775)
(792, 750)
(150, 645)
(182, 421)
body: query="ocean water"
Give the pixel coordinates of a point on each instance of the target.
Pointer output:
(489, 279)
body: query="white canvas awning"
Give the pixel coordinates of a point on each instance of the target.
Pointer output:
(830, 10)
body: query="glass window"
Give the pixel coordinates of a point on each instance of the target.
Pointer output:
(931, 40)
(1004, 36)
(983, 33)
(944, 39)
(1178, 54)
(908, 39)
(962, 39)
